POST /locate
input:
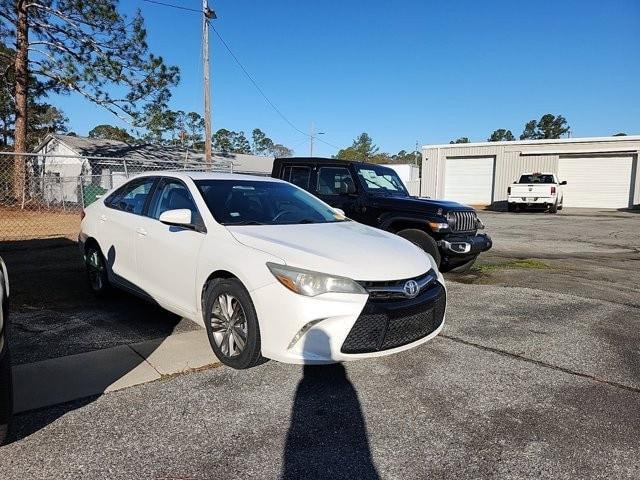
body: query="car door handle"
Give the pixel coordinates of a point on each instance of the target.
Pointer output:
(142, 232)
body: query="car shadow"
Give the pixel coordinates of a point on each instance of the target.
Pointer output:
(53, 314)
(327, 437)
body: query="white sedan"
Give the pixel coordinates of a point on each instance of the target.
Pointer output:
(267, 268)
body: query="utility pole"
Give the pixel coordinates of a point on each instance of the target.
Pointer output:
(207, 14)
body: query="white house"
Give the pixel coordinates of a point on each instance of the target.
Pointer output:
(72, 167)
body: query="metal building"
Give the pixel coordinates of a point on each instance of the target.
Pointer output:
(601, 172)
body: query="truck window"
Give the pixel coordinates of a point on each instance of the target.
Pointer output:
(536, 178)
(335, 181)
(298, 175)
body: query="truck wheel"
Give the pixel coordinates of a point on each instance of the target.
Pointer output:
(465, 267)
(422, 240)
(553, 208)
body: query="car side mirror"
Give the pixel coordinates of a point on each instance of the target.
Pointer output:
(564, 182)
(180, 217)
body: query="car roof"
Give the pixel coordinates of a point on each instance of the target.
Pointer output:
(327, 160)
(200, 175)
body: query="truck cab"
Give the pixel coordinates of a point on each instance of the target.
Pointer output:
(375, 195)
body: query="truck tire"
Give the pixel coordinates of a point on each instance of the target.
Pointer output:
(553, 208)
(465, 267)
(422, 240)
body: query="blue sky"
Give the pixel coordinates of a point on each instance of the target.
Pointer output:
(403, 71)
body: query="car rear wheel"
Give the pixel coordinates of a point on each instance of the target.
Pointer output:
(96, 270)
(553, 208)
(232, 324)
(422, 240)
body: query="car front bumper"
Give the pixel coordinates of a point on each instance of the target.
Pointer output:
(340, 327)
(465, 245)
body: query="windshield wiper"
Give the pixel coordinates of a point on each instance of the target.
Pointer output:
(246, 222)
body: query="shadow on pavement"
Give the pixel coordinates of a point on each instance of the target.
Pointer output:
(327, 437)
(53, 315)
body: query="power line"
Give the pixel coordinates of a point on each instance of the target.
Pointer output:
(179, 7)
(248, 75)
(264, 95)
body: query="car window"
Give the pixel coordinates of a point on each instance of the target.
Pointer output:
(132, 196)
(249, 202)
(298, 175)
(537, 178)
(335, 180)
(171, 195)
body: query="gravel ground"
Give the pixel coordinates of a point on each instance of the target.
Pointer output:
(536, 374)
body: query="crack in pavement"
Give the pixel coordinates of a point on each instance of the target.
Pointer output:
(539, 363)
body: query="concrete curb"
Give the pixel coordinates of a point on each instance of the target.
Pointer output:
(58, 380)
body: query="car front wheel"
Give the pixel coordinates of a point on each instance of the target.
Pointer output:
(232, 324)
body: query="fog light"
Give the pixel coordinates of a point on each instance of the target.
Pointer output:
(302, 331)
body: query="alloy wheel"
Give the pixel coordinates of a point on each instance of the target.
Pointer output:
(229, 325)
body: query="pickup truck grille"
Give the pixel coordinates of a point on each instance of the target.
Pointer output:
(462, 221)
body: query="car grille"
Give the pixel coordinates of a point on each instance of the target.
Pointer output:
(462, 221)
(395, 288)
(384, 325)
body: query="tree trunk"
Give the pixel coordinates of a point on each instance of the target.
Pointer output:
(22, 81)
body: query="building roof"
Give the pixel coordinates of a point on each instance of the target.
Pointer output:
(149, 153)
(622, 138)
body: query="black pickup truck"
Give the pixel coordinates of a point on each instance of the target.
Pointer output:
(374, 195)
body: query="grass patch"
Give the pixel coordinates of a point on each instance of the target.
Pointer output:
(524, 264)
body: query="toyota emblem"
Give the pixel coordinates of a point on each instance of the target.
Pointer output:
(411, 288)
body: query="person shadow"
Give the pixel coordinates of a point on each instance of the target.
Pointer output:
(327, 437)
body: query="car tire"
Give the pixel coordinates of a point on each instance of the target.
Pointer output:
(97, 275)
(465, 267)
(230, 319)
(553, 208)
(422, 240)
(6, 395)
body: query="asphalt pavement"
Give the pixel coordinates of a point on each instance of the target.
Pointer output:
(536, 375)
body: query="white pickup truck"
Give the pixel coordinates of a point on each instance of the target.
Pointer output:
(542, 190)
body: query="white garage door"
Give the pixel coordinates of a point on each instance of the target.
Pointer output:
(469, 180)
(596, 182)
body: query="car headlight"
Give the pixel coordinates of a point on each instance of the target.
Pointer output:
(310, 284)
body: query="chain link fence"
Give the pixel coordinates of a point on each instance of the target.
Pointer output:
(41, 196)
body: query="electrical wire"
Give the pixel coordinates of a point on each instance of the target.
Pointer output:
(179, 7)
(264, 95)
(247, 74)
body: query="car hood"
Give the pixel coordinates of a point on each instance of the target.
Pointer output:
(347, 249)
(419, 204)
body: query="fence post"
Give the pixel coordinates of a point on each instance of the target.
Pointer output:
(81, 180)
(124, 164)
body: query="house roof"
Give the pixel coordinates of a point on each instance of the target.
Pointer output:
(148, 153)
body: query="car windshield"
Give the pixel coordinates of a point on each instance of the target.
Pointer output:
(536, 178)
(250, 202)
(381, 180)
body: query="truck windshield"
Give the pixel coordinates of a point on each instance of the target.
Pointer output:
(381, 180)
(536, 178)
(250, 202)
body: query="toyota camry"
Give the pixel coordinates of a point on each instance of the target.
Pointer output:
(268, 269)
